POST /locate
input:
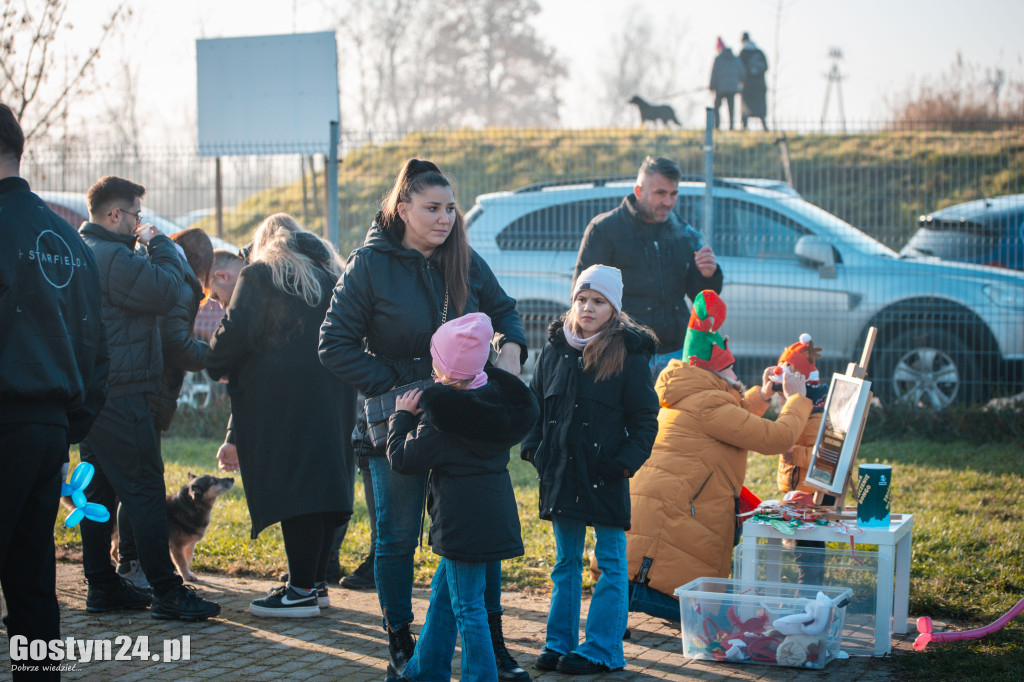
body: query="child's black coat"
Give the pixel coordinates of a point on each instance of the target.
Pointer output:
(464, 437)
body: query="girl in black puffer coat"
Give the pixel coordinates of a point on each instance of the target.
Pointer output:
(470, 419)
(599, 417)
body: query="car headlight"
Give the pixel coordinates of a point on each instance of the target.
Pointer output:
(1006, 296)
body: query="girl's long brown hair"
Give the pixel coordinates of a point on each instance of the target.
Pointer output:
(606, 354)
(453, 256)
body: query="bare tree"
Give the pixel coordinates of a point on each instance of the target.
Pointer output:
(422, 64)
(30, 31)
(492, 68)
(644, 60)
(383, 43)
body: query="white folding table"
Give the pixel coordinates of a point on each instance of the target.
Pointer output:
(893, 594)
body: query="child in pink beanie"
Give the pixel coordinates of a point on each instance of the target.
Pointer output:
(468, 421)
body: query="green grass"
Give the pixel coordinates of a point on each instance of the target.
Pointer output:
(967, 560)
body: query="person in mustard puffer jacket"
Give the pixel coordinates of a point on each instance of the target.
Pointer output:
(685, 499)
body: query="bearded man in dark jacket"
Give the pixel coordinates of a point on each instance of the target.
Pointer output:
(137, 287)
(53, 380)
(660, 257)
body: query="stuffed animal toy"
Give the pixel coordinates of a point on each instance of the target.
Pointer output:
(798, 650)
(811, 622)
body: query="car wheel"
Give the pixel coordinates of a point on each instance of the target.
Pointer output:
(537, 317)
(927, 368)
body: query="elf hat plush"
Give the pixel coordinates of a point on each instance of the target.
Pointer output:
(704, 346)
(802, 356)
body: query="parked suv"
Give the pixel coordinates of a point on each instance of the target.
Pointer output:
(946, 331)
(987, 231)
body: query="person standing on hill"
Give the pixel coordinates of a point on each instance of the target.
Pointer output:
(755, 90)
(726, 80)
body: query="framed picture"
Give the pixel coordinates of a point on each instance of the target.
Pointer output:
(839, 435)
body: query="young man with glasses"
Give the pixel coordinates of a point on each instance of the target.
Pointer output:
(137, 287)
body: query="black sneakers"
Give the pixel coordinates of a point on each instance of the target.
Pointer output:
(182, 603)
(547, 660)
(361, 578)
(286, 602)
(116, 595)
(333, 570)
(574, 664)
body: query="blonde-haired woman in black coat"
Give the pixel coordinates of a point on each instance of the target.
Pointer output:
(288, 410)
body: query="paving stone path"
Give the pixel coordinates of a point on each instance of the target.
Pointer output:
(347, 643)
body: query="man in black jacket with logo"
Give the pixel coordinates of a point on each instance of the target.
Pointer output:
(53, 380)
(660, 257)
(137, 287)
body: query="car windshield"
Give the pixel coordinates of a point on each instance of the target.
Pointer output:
(959, 244)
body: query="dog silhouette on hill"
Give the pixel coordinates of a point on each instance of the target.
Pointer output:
(654, 112)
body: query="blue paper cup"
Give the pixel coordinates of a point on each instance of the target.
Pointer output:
(873, 487)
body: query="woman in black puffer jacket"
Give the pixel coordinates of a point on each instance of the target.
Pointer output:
(415, 271)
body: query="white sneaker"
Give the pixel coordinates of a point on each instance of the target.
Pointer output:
(285, 602)
(133, 573)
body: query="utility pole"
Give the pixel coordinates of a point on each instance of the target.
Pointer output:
(834, 76)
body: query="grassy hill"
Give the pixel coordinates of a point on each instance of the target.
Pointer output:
(880, 181)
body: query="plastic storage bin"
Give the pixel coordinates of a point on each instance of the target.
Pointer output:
(769, 623)
(857, 570)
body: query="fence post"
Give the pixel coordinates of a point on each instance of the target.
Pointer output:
(709, 175)
(332, 187)
(219, 194)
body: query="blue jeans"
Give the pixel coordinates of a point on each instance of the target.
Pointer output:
(609, 613)
(456, 607)
(643, 598)
(399, 499)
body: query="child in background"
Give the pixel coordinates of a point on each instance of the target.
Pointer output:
(801, 357)
(469, 420)
(598, 423)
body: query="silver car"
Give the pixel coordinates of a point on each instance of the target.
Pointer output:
(946, 331)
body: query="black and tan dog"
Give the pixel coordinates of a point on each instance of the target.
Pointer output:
(188, 515)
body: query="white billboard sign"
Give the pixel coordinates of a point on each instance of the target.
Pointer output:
(267, 94)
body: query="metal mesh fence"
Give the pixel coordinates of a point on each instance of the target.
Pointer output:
(948, 333)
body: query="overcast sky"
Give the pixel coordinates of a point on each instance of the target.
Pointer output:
(887, 46)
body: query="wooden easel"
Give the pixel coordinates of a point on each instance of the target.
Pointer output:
(857, 370)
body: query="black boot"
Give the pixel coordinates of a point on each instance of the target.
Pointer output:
(508, 669)
(401, 644)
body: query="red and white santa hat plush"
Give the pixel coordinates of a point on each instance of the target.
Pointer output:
(801, 356)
